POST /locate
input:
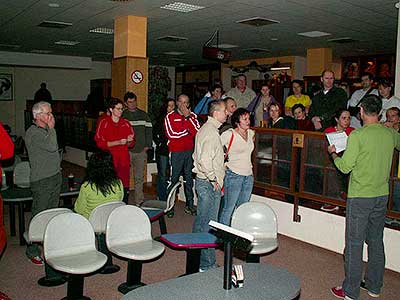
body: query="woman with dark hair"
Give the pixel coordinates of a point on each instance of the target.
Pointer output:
(385, 88)
(342, 119)
(276, 119)
(101, 184)
(115, 134)
(238, 182)
(297, 98)
(162, 152)
(258, 108)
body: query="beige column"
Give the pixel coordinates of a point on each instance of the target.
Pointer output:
(130, 65)
(318, 59)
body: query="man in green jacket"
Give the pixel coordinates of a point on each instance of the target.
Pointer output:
(369, 158)
(143, 128)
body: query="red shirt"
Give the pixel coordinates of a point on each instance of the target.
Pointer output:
(109, 131)
(6, 152)
(348, 130)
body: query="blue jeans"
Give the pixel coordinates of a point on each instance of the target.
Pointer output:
(365, 221)
(208, 202)
(162, 167)
(238, 190)
(182, 164)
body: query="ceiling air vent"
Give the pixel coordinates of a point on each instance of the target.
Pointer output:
(345, 40)
(257, 50)
(171, 38)
(54, 24)
(257, 21)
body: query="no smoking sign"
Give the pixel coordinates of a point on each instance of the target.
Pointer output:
(137, 77)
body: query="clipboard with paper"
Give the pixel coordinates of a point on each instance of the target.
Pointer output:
(339, 139)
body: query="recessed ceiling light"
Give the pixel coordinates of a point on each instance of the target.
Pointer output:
(171, 38)
(55, 24)
(182, 7)
(314, 34)
(102, 30)
(54, 5)
(344, 40)
(274, 39)
(174, 53)
(258, 21)
(67, 43)
(225, 46)
(40, 51)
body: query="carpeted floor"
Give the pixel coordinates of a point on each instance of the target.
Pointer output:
(318, 269)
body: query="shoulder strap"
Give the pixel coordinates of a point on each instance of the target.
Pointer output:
(229, 146)
(366, 94)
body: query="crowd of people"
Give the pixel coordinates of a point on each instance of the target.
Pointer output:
(219, 154)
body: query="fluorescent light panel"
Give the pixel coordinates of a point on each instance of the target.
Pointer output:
(314, 34)
(225, 46)
(40, 51)
(102, 30)
(279, 68)
(176, 53)
(67, 43)
(182, 7)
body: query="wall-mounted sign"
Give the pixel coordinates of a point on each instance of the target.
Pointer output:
(137, 77)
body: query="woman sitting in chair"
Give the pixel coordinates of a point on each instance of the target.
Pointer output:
(100, 185)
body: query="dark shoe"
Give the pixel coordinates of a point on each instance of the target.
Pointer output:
(193, 211)
(187, 210)
(371, 294)
(171, 214)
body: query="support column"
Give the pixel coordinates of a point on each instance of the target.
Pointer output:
(130, 65)
(318, 59)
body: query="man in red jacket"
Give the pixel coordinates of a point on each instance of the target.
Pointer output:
(181, 126)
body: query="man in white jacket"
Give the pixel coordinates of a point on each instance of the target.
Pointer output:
(208, 159)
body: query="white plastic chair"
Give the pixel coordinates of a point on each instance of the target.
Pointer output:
(22, 175)
(128, 235)
(259, 220)
(98, 218)
(35, 234)
(157, 209)
(70, 247)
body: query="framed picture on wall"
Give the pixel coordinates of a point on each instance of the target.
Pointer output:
(6, 87)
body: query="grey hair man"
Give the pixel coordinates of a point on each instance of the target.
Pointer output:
(208, 160)
(44, 159)
(241, 92)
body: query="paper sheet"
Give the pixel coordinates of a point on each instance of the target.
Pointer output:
(339, 139)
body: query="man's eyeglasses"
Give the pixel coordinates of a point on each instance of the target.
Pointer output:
(119, 108)
(46, 113)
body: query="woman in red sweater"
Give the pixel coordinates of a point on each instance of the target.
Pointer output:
(6, 152)
(115, 134)
(342, 118)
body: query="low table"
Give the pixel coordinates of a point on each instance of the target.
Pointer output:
(192, 243)
(19, 196)
(261, 282)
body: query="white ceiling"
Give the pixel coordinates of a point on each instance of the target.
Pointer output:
(373, 23)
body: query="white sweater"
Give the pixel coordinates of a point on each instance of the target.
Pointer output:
(240, 152)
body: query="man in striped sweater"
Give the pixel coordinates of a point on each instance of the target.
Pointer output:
(181, 126)
(143, 128)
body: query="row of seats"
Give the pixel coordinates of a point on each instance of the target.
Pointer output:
(125, 230)
(70, 247)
